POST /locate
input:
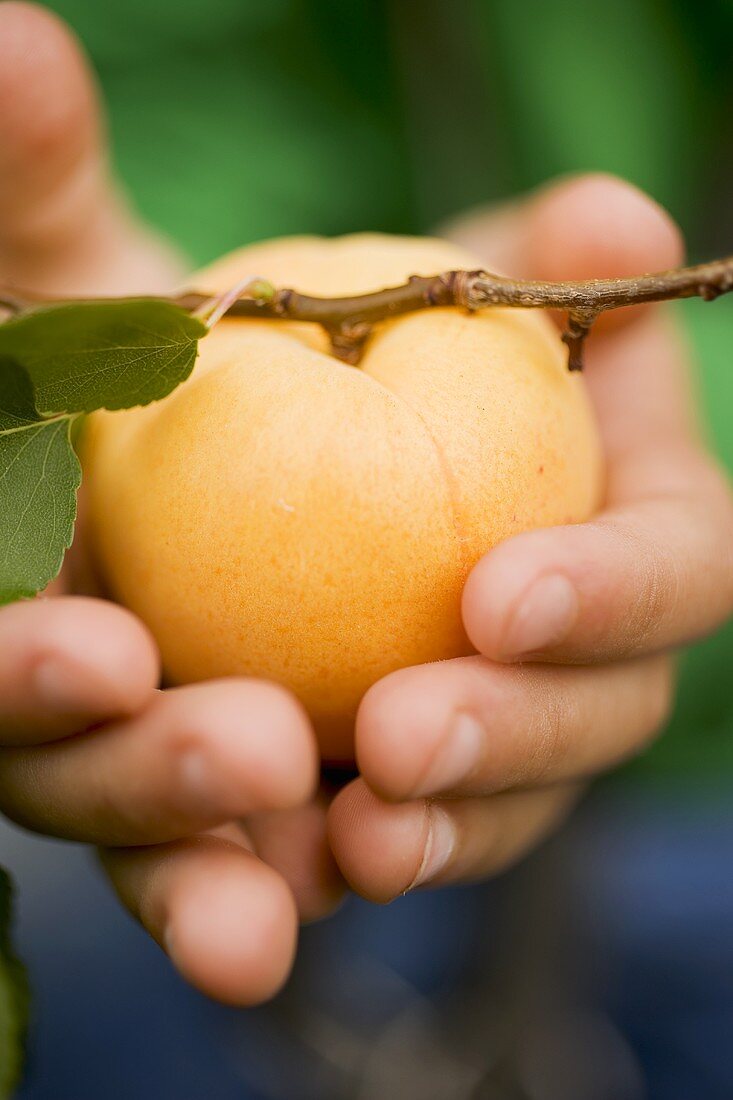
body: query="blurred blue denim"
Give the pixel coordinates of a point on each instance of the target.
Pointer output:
(601, 969)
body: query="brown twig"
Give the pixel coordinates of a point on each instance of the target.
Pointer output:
(349, 321)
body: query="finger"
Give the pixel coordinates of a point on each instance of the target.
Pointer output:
(68, 663)
(654, 570)
(227, 920)
(295, 843)
(385, 849)
(63, 225)
(472, 727)
(196, 757)
(580, 227)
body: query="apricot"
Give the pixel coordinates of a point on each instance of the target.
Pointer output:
(284, 515)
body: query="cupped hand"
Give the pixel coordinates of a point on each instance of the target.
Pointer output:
(466, 764)
(201, 799)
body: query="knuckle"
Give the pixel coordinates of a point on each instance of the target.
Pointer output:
(657, 597)
(152, 805)
(689, 592)
(558, 716)
(656, 587)
(181, 743)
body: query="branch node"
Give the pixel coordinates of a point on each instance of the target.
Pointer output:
(470, 289)
(348, 340)
(579, 325)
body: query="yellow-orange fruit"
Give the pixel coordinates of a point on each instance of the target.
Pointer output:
(284, 515)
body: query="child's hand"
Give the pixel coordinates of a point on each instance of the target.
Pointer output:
(467, 763)
(89, 749)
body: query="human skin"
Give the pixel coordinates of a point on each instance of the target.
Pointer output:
(322, 519)
(573, 626)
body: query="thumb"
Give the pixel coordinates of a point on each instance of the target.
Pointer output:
(579, 227)
(64, 226)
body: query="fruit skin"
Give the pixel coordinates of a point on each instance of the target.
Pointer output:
(286, 516)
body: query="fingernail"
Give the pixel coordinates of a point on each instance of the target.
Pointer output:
(543, 616)
(457, 756)
(439, 846)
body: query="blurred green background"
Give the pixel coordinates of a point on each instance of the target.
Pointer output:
(242, 119)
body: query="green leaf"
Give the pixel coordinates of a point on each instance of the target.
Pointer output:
(56, 362)
(13, 998)
(39, 478)
(107, 354)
